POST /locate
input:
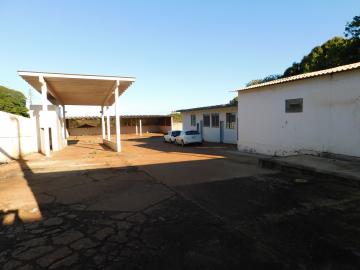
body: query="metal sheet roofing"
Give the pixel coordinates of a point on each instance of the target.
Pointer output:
(78, 89)
(304, 76)
(208, 107)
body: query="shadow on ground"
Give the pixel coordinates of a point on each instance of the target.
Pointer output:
(178, 214)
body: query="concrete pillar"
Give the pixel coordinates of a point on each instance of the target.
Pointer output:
(171, 123)
(108, 123)
(102, 122)
(140, 125)
(136, 128)
(117, 117)
(44, 120)
(64, 119)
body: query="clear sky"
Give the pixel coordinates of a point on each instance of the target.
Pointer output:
(183, 53)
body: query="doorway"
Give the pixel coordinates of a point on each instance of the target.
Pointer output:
(221, 131)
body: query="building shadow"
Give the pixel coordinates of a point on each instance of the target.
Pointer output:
(203, 213)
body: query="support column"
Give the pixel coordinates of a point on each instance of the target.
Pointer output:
(140, 126)
(136, 128)
(108, 123)
(102, 122)
(117, 117)
(45, 124)
(64, 119)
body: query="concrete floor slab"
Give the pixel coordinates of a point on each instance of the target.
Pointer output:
(160, 206)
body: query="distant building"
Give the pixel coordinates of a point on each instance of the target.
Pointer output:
(216, 123)
(308, 113)
(91, 125)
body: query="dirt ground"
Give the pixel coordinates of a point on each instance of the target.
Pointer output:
(160, 206)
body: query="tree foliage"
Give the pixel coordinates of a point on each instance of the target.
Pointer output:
(177, 117)
(253, 82)
(234, 101)
(13, 101)
(334, 52)
(352, 29)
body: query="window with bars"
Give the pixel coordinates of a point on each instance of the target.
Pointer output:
(230, 120)
(206, 119)
(215, 120)
(193, 120)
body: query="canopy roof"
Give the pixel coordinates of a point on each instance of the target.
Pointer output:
(76, 89)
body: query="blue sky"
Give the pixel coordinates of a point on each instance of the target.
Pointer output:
(183, 53)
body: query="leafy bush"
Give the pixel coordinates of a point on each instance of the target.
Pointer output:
(13, 101)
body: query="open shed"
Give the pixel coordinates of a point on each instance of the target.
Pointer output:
(75, 89)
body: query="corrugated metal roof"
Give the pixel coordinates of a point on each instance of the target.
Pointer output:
(121, 116)
(208, 107)
(305, 76)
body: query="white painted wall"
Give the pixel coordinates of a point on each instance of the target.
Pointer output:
(212, 134)
(54, 120)
(330, 121)
(17, 136)
(177, 126)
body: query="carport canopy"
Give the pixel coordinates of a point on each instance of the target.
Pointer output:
(76, 89)
(79, 89)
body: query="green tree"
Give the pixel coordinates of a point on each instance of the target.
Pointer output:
(352, 29)
(334, 52)
(177, 117)
(13, 101)
(253, 82)
(234, 101)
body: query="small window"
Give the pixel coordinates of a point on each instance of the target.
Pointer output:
(206, 118)
(230, 120)
(294, 105)
(215, 120)
(193, 120)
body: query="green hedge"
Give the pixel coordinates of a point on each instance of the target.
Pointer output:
(13, 101)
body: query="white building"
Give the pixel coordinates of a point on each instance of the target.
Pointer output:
(21, 135)
(309, 113)
(215, 123)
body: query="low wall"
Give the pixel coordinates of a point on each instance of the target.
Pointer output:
(17, 136)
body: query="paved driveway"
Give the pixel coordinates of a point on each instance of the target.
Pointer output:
(159, 206)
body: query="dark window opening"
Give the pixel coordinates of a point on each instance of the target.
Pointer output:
(215, 120)
(294, 105)
(193, 120)
(206, 119)
(230, 120)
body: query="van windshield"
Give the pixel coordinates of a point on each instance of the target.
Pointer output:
(192, 132)
(176, 133)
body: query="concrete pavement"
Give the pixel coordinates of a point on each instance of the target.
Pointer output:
(160, 206)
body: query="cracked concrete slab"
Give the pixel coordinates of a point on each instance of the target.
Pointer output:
(159, 206)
